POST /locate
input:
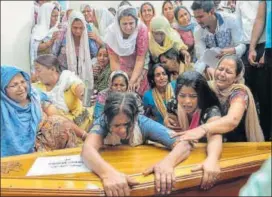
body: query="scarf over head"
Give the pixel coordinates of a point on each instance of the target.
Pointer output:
(253, 129)
(19, 124)
(114, 36)
(42, 30)
(172, 38)
(83, 61)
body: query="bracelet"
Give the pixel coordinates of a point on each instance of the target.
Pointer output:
(83, 135)
(205, 129)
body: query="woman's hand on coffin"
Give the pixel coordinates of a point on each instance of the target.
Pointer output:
(118, 184)
(211, 171)
(164, 176)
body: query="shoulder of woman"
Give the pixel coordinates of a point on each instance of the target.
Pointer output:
(147, 94)
(238, 92)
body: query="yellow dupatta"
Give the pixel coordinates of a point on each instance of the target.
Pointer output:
(172, 38)
(159, 101)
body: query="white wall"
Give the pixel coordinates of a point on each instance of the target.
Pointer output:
(16, 23)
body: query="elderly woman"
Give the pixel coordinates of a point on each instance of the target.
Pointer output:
(147, 12)
(101, 18)
(118, 82)
(195, 104)
(101, 69)
(28, 122)
(168, 11)
(174, 62)
(239, 122)
(185, 27)
(75, 51)
(127, 41)
(65, 90)
(161, 92)
(45, 35)
(121, 124)
(163, 37)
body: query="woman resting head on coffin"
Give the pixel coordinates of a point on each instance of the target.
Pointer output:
(195, 104)
(28, 120)
(121, 124)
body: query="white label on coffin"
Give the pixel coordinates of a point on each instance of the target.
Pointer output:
(57, 165)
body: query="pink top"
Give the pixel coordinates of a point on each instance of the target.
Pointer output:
(127, 63)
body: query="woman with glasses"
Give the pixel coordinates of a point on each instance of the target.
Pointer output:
(28, 119)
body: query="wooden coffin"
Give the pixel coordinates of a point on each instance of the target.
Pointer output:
(238, 161)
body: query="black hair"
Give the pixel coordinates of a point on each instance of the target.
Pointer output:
(177, 9)
(151, 74)
(129, 12)
(207, 6)
(238, 61)
(120, 102)
(147, 3)
(103, 46)
(173, 54)
(165, 2)
(206, 97)
(49, 61)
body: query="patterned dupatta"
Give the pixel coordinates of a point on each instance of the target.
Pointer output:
(159, 101)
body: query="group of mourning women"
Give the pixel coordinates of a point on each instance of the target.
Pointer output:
(140, 68)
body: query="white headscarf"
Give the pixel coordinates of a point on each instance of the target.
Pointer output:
(114, 36)
(42, 29)
(84, 59)
(104, 19)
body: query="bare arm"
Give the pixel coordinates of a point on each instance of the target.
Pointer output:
(115, 183)
(230, 121)
(114, 62)
(214, 146)
(45, 45)
(179, 153)
(222, 125)
(137, 71)
(92, 158)
(258, 26)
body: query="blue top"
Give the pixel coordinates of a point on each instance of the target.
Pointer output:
(150, 130)
(268, 24)
(19, 124)
(148, 101)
